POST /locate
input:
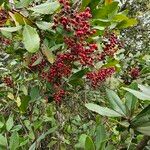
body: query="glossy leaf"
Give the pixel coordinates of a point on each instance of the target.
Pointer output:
(144, 89)
(31, 39)
(104, 111)
(46, 8)
(11, 29)
(23, 3)
(44, 25)
(138, 94)
(115, 102)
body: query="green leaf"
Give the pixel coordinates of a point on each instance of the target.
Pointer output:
(3, 141)
(141, 122)
(107, 11)
(46, 8)
(144, 130)
(23, 3)
(1, 2)
(144, 89)
(9, 123)
(1, 124)
(119, 18)
(24, 103)
(77, 82)
(31, 39)
(79, 74)
(11, 29)
(89, 144)
(127, 23)
(41, 137)
(131, 100)
(14, 141)
(81, 142)
(100, 137)
(44, 25)
(116, 102)
(139, 95)
(104, 111)
(34, 93)
(142, 119)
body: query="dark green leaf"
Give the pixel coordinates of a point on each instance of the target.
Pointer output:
(24, 103)
(142, 119)
(79, 74)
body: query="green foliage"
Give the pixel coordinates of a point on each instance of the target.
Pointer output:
(31, 39)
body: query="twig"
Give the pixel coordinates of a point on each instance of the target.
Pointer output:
(143, 143)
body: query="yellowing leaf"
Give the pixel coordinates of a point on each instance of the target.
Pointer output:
(10, 96)
(49, 55)
(108, 1)
(18, 101)
(20, 19)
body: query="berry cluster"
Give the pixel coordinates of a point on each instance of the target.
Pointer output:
(58, 95)
(5, 41)
(110, 47)
(8, 81)
(77, 26)
(135, 72)
(81, 51)
(40, 65)
(99, 76)
(3, 17)
(61, 68)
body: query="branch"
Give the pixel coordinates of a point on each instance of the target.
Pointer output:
(143, 143)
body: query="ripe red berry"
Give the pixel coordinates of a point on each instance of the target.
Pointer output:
(8, 81)
(135, 72)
